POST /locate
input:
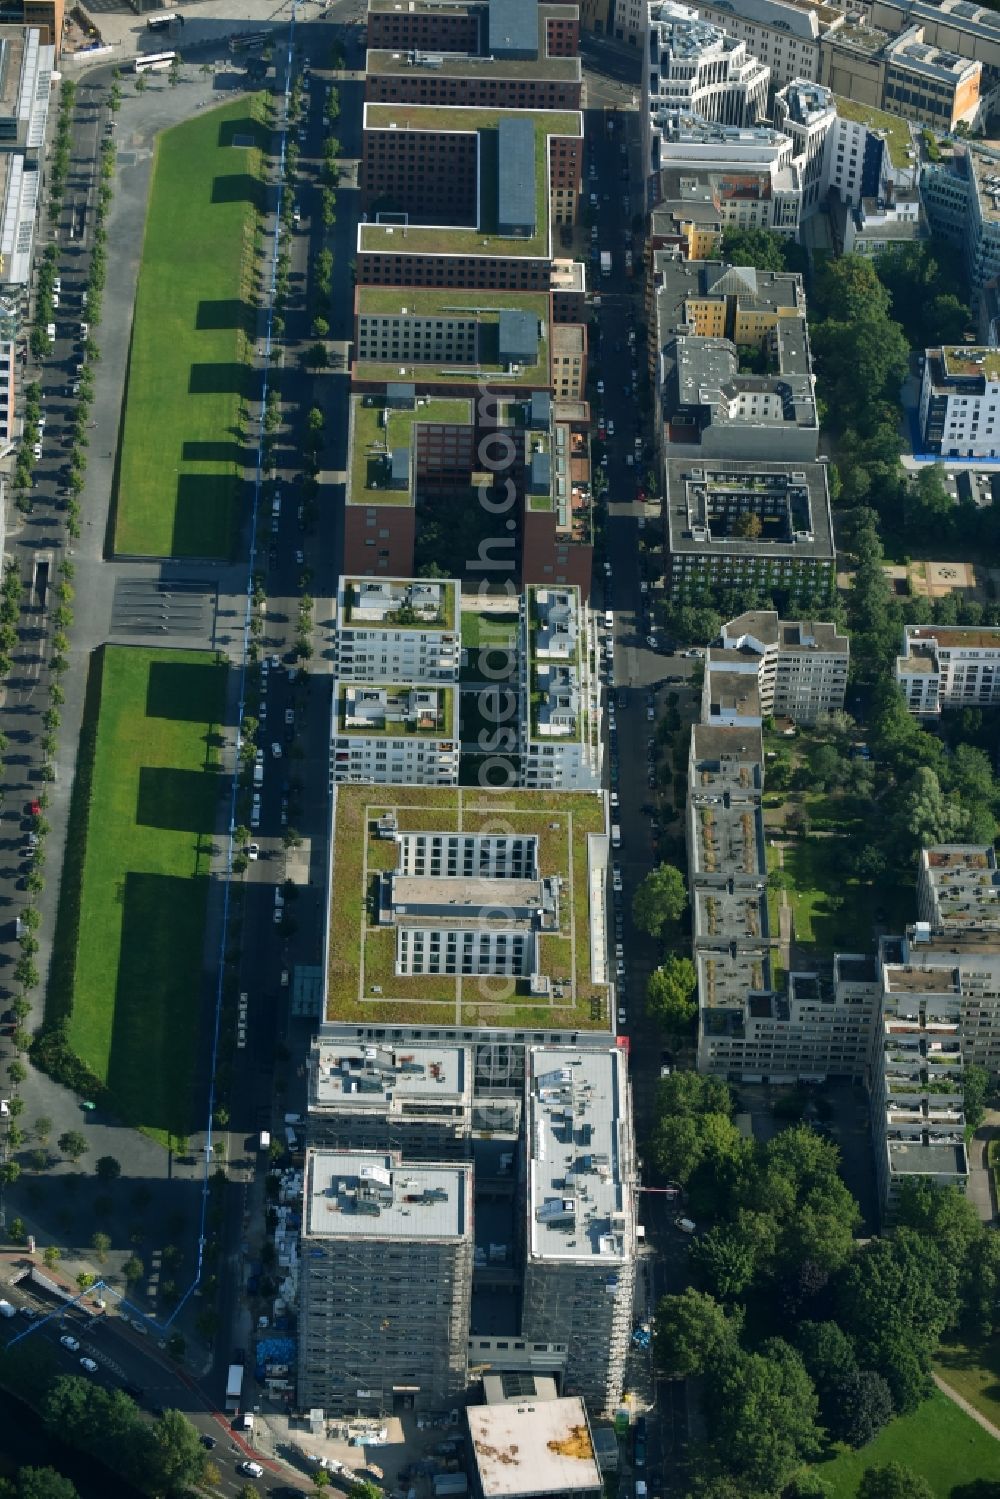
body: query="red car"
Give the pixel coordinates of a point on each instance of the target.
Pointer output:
(640, 494)
(35, 809)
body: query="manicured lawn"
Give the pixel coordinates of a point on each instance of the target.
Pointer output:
(181, 457)
(974, 1371)
(137, 982)
(939, 1441)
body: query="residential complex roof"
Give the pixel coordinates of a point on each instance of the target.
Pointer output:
(370, 1195)
(363, 988)
(790, 499)
(578, 1189)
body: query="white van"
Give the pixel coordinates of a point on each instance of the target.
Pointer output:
(276, 505)
(6, 1310)
(616, 835)
(609, 620)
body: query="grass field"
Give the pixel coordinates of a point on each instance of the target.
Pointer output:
(939, 1441)
(181, 456)
(153, 792)
(974, 1371)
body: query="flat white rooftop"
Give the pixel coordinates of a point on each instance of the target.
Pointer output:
(345, 1074)
(579, 1199)
(536, 1447)
(369, 1194)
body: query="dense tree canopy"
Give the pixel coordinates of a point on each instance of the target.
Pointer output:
(660, 900)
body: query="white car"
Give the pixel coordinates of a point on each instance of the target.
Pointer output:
(611, 428)
(651, 714)
(253, 1470)
(37, 451)
(600, 387)
(616, 879)
(57, 284)
(276, 750)
(622, 1016)
(89, 1365)
(4, 1108)
(614, 800)
(253, 852)
(290, 717)
(70, 1343)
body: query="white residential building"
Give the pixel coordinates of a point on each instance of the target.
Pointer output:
(800, 666)
(561, 746)
(940, 1014)
(398, 630)
(397, 735)
(959, 409)
(580, 1245)
(949, 666)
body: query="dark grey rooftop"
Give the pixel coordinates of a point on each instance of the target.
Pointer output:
(516, 176)
(791, 499)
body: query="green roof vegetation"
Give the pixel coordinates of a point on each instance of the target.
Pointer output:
(438, 727)
(896, 130)
(404, 618)
(435, 302)
(372, 442)
(441, 239)
(362, 957)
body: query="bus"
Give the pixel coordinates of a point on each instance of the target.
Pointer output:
(164, 22)
(155, 62)
(249, 41)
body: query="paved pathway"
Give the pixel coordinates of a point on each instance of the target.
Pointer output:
(970, 1410)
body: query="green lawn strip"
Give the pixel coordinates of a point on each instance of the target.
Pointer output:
(938, 1441)
(181, 455)
(973, 1370)
(153, 793)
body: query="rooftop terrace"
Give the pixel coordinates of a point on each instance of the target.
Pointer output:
(894, 128)
(377, 431)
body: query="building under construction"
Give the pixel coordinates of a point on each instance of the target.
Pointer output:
(386, 1283)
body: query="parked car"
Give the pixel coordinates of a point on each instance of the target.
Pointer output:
(70, 1343)
(89, 1365)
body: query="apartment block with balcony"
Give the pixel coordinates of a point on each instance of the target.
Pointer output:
(579, 1227)
(521, 55)
(395, 734)
(763, 524)
(398, 630)
(694, 67)
(560, 692)
(734, 370)
(917, 1104)
(959, 409)
(958, 888)
(949, 666)
(800, 665)
(385, 1287)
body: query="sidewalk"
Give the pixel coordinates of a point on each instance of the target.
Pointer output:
(963, 1404)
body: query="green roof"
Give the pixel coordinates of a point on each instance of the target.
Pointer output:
(896, 130)
(363, 988)
(444, 239)
(436, 302)
(442, 728)
(368, 433)
(450, 593)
